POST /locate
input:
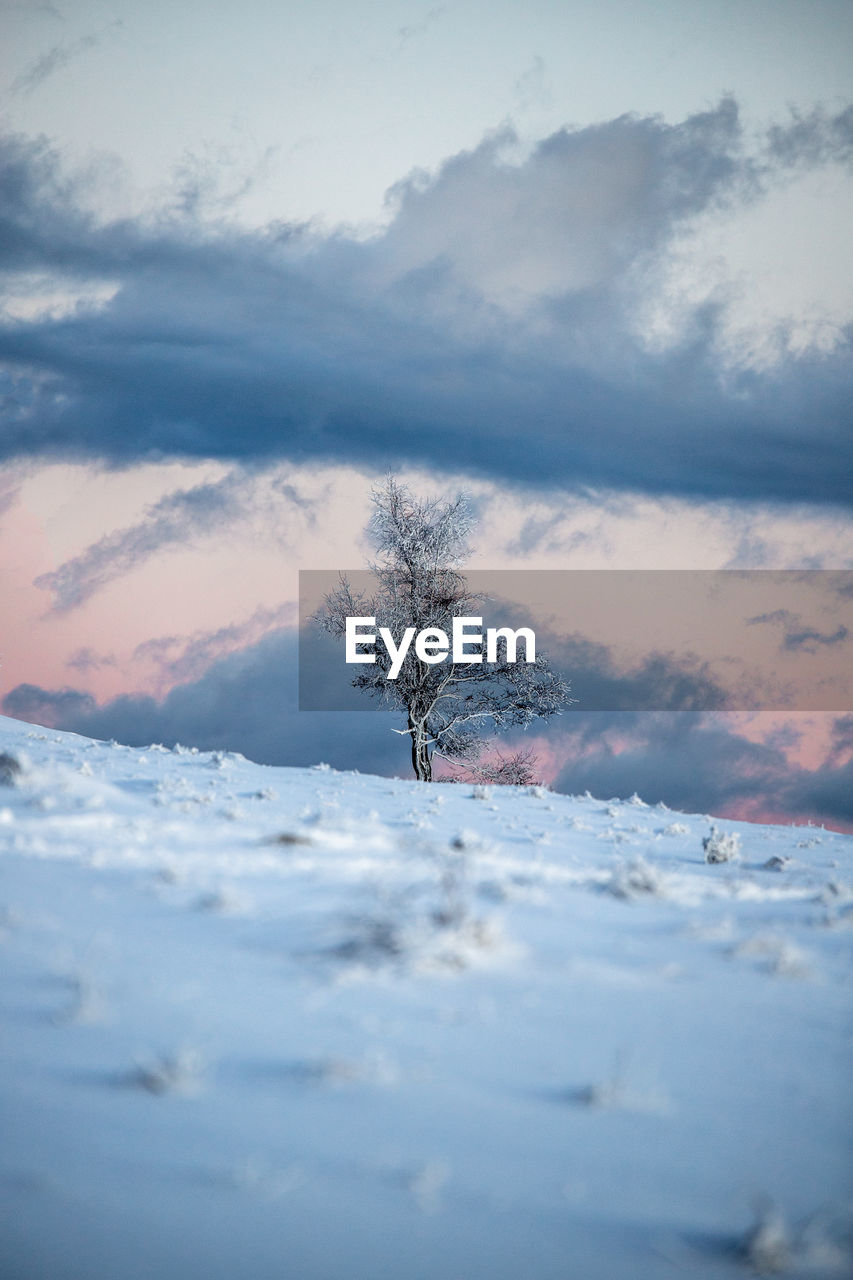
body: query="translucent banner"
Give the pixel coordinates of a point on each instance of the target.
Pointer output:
(627, 640)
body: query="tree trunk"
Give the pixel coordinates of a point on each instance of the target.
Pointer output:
(421, 762)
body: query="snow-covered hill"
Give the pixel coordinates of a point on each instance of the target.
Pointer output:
(298, 1024)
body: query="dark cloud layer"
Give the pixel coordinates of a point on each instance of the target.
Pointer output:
(247, 702)
(498, 304)
(697, 763)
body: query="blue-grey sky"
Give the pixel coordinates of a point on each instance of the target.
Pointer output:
(327, 104)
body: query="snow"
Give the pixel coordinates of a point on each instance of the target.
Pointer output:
(299, 1023)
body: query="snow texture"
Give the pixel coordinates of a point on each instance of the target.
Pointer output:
(296, 1023)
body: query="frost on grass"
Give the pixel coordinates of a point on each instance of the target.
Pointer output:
(180, 1072)
(466, 839)
(721, 846)
(766, 1247)
(820, 1245)
(635, 879)
(617, 1092)
(433, 927)
(373, 1068)
(85, 1005)
(420, 942)
(224, 901)
(10, 769)
(775, 954)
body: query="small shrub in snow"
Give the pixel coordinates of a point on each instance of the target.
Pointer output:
(721, 846)
(637, 802)
(516, 770)
(577, 824)
(439, 933)
(466, 839)
(289, 838)
(775, 954)
(225, 901)
(175, 1073)
(676, 829)
(635, 880)
(10, 770)
(777, 863)
(766, 1247)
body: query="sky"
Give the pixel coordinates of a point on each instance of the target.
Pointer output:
(589, 263)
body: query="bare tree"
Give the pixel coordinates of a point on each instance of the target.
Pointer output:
(448, 705)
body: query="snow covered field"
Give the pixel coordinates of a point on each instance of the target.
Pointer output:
(305, 1025)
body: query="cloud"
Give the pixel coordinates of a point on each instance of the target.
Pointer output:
(842, 740)
(826, 794)
(9, 489)
(800, 638)
(809, 640)
(183, 658)
(657, 681)
(87, 659)
(501, 301)
(53, 707)
(169, 522)
(414, 29)
(784, 616)
(206, 510)
(698, 763)
(680, 759)
(47, 64)
(812, 139)
(245, 702)
(24, 6)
